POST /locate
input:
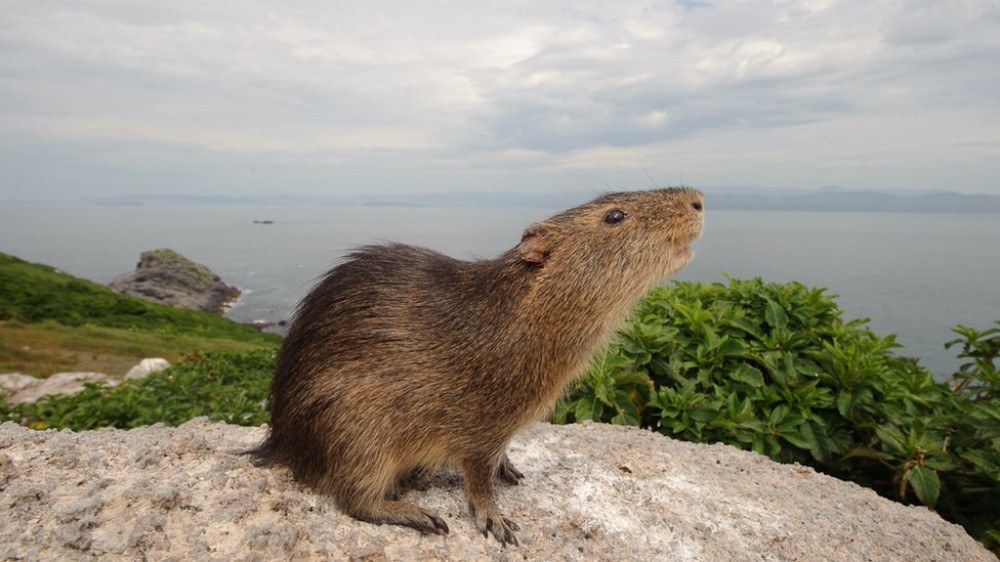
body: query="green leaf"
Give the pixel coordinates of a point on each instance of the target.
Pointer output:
(631, 377)
(747, 326)
(604, 389)
(628, 414)
(818, 447)
(989, 464)
(844, 402)
(892, 439)
(778, 414)
(748, 374)
(588, 408)
(775, 316)
(940, 464)
(770, 360)
(703, 414)
(925, 484)
(561, 411)
(796, 438)
(730, 347)
(868, 453)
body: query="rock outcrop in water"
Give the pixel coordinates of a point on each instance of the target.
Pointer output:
(166, 277)
(591, 492)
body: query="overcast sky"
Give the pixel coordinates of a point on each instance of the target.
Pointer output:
(337, 98)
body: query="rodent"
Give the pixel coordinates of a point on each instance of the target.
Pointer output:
(402, 358)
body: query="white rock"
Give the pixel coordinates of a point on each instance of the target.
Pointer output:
(147, 367)
(12, 383)
(18, 388)
(61, 383)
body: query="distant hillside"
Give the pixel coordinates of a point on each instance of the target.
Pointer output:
(856, 201)
(35, 293)
(465, 199)
(744, 200)
(52, 322)
(734, 198)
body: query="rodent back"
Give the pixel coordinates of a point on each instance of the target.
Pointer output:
(565, 269)
(384, 296)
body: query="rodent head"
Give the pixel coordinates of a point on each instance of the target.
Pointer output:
(638, 236)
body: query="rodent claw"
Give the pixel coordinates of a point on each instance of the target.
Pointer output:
(502, 529)
(433, 525)
(440, 526)
(507, 473)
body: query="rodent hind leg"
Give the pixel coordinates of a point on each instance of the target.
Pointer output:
(368, 500)
(393, 512)
(506, 471)
(413, 479)
(482, 502)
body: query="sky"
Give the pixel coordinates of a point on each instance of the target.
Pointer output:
(328, 98)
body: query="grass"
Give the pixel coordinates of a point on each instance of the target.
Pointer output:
(51, 322)
(33, 293)
(46, 348)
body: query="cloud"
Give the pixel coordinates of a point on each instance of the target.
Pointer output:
(394, 94)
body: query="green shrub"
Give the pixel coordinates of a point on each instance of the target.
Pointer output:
(224, 387)
(773, 368)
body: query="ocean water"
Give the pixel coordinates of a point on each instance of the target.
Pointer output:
(915, 275)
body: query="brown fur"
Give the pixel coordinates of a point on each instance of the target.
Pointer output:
(403, 358)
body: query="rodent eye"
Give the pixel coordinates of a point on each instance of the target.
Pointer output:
(614, 216)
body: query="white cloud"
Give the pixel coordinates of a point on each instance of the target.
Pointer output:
(276, 140)
(786, 93)
(655, 118)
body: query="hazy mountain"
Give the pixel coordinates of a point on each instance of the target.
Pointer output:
(734, 198)
(833, 199)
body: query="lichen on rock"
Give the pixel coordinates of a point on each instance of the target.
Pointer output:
(167, 277)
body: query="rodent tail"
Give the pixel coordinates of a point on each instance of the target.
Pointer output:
(264, 454)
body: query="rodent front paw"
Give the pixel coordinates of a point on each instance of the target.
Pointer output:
(500, 527)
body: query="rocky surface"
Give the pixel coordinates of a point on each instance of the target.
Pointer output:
(166, 277)
(591, 492)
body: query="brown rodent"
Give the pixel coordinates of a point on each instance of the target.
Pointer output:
(403, 358)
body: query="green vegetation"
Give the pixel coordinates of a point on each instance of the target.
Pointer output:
(49, 347)
(51, 321)
(772, 368)
(761, 366)
(33, 293)
(187, 269)
(222, 386)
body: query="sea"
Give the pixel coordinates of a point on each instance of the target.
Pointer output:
(911, 274)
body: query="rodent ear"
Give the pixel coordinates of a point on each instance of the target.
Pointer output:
(534, 246)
